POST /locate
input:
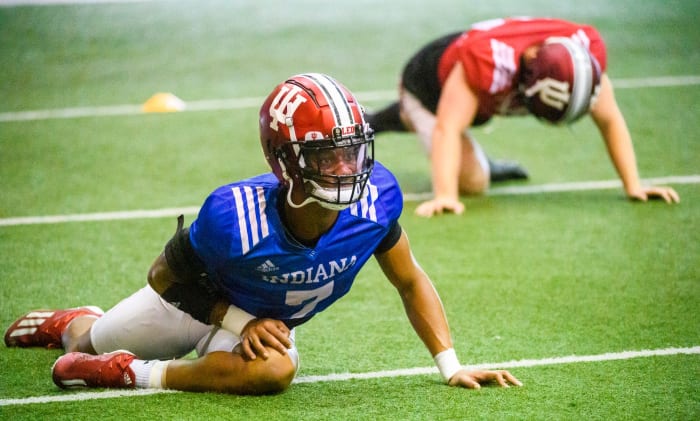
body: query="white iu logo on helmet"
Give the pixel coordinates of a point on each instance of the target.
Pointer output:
(552, 92)
(283, 107)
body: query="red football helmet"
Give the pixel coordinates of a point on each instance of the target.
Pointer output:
(561, 83)
(313, 132)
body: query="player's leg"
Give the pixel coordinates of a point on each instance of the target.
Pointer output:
(155, 331)
(387, 119)
(46, 328)
(219, 371)
(417, 118)
(145, 325)
(141, 325)
(474, 169)
(76, 337)
(230, 372)
(478, 170)
(475, 172)
(222, 368)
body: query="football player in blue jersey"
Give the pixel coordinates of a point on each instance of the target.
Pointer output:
(263, 256)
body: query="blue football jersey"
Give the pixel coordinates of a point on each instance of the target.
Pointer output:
(241, 239)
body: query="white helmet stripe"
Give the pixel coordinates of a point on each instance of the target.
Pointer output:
(583, 79)
(342, 112)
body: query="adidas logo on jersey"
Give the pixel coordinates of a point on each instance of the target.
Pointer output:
(267, 266)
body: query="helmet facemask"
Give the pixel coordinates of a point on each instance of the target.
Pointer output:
(334, 171)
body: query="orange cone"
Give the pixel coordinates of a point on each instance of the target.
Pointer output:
(163, 103)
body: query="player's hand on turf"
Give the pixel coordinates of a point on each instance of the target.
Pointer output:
(474, 379)
(667, 194)
(439, 206)
(259, 334)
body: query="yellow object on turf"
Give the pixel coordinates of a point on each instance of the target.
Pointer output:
(162, 103)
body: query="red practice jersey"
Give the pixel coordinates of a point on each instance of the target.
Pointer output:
(490, 54)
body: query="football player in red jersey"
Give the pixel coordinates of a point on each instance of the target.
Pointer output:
(553, 69)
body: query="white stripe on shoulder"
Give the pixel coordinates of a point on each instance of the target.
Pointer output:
(365, 208)
(374, 195)
(262, 203)
(251, 216)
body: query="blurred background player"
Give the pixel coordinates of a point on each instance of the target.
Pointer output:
(263, 256)
(550, 68)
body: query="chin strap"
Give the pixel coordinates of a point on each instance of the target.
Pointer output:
(290, 180)
(289, 195)
(310, 199)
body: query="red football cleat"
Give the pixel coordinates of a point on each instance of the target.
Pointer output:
(77, 369)
(44, 327)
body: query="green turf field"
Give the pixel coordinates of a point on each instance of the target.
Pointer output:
(527, 279)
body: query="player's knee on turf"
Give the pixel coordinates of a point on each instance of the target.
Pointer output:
(279, 373)
(473, 180)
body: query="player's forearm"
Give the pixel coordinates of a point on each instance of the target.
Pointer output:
(445, 161)
(618, 141)
(426, 314)
(621, 151)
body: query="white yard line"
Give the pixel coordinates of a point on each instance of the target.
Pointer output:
(409, 197)
(565, 187)
(59, 2)
(612, 356)
(254, 102)
(99, 216)
(656, 82)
